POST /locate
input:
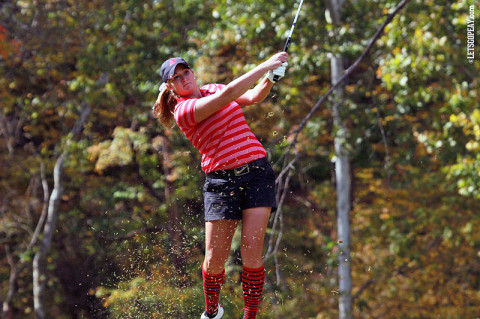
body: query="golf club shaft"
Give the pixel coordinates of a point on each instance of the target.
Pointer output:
(287, 44)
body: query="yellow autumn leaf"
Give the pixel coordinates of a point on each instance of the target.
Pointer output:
(453, 118)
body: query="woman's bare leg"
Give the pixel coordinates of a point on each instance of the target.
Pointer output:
(218, 241)
(254, 226)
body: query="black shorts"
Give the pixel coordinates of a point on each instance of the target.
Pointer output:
(227, 193)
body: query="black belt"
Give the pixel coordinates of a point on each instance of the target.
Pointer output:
(240, 170)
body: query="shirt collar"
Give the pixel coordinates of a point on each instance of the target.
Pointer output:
(203, 90)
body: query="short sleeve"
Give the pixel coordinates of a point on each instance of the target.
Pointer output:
(185, 113)
(185, 109)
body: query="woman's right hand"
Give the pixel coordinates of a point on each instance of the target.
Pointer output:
(276, 60)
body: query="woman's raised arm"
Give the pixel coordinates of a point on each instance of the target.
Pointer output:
(207, 106)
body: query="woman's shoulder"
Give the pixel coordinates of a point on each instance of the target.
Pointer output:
(211, 88)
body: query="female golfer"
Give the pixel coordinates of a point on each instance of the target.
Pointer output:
(240, 183)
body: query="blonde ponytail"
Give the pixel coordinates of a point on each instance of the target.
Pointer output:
(164, 106)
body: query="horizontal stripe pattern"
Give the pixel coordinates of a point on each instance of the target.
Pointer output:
(252, 282)
(212, 285)
(224, 139)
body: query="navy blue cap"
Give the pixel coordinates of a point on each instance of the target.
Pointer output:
(168, 67)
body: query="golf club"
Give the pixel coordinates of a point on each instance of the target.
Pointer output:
(285, 48)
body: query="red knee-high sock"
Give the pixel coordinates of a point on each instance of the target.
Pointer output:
(252, 282)
(212, 284)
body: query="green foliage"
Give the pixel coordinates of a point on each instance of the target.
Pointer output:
(151, 298)
(412, 116)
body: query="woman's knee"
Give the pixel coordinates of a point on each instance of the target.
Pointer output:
(251, 251)
(214, 261)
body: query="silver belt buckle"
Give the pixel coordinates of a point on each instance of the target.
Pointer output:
(241, 170)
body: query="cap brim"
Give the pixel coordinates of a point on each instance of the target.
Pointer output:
(173, 67)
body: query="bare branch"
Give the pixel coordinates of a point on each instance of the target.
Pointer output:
(41, 220)
(349, 71)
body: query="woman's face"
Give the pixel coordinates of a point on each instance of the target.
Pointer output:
(183, 81)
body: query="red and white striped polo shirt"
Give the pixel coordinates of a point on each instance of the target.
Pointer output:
(224, 139)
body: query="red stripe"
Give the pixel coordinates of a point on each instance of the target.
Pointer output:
(236, 146)
(219, 119)
(230, 140)
(216, 125)
(235, 151)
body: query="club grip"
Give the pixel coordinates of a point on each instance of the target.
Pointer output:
(285, 49)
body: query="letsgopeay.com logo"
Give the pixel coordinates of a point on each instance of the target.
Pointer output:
(471, 35)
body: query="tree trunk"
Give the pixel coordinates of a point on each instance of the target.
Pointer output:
(175, 228)
(343, 175)
(39, 274)
(343, 185)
